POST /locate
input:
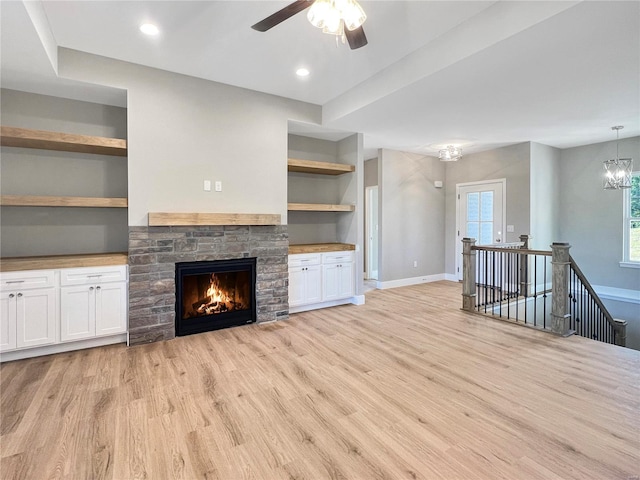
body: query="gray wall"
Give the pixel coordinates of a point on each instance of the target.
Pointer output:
(28, 231)
(510, 162)
(411, 215)
(591, 219)
(183, 130)
(545, 196)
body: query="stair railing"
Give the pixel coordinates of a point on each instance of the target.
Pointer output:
(514, 282)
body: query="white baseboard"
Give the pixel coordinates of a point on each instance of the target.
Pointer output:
(62, 347)
(451, 277)
(617, 294)
(405, 282)
(355, 300)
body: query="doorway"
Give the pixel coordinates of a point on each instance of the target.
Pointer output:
(371, 227)
(480, 214)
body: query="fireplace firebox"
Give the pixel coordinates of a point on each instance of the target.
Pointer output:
(215, 294)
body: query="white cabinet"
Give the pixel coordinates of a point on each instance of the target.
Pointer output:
(317, 278)
(93, 302)
(305, 284)
(49, 308)
(337, 275)
(27, 310)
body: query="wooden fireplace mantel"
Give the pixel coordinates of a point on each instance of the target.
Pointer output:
(163, 219)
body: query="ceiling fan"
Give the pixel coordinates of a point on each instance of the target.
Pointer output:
(337, 17)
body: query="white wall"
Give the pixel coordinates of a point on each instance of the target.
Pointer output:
(591, 219)
(545, 196)
(183, 130)
(510, 162)
(411, 215)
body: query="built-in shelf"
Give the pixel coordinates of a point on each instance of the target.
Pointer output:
(320, 248)
(67, 142)
(16, 264)
(319, 207)
(161, 219)
(322, 168)
(47, 201)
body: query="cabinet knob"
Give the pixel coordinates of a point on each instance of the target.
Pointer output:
(19, 294)
(90, 288)
(98, 287)
(11, 295)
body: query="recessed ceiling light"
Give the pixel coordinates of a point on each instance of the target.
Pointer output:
(149, 29)
(302, 72)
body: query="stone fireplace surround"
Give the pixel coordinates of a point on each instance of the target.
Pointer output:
(154, 251)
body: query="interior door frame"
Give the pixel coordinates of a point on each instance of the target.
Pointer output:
(370, 232)
(458, 238)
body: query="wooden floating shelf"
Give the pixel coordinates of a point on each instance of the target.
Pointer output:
(320, 248)
(17, 264)
(39, 201)
(160, 219)
(67, 142)
(322, 168)
(320, 207)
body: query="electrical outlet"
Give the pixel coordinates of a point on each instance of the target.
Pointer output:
(218, 186)
(207, 185)
(415, 264)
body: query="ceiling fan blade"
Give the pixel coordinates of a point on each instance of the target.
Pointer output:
(356, 38)
(281, 15)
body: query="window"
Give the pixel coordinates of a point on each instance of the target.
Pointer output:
(632, 223)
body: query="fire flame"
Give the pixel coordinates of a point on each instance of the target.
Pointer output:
(214, 292)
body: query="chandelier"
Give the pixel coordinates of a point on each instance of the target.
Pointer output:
(332, 16)
(450, 154)
(618, 171)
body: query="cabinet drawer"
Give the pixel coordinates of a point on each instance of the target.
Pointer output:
(30, 279)
(90, 275)
(304, 259)
(337, 257)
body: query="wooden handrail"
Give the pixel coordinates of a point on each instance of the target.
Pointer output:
(520, 251)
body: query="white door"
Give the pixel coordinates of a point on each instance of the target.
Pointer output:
(111, 308)
(481, 213)
(346, 280)
(78, 307)
(330, 282)
(296, 286)
(372, 233)
(35, 317)
(313, 284)
(7, 321)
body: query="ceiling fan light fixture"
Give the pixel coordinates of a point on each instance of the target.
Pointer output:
(332, 16)
(353, 15)
(318, 12)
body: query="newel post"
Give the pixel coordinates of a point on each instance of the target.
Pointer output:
(560, 261)
(620, 332)
(468, 274)
(525, 284)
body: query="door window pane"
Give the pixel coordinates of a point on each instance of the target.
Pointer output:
(473, 211)
(486, 206)
(486, 233)
(473, 230)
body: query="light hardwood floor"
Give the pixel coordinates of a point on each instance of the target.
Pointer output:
(406, 386)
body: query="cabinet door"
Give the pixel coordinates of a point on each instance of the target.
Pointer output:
(35, 317)
(296, 286)
(330, 282)
(346, 283)
(313, 284)
(111, 308)
(7, 321)
(78, 312)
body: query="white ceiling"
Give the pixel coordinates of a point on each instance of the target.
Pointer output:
(477, 73)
